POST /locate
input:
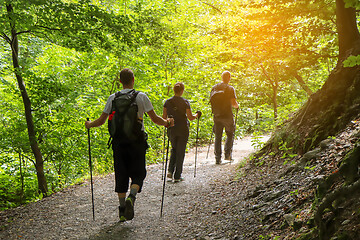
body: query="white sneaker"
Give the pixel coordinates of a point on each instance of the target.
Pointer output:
(179, 180)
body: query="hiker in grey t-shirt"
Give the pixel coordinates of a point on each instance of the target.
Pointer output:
(129, 158)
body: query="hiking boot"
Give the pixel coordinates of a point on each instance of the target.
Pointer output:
(170, 177)
(179, 180)
(228, 158)
(129, 207)
(218, 161)
(122, 214)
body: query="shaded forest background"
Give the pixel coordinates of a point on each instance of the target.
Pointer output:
(60, 60)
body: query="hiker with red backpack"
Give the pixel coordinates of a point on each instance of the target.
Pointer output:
(125, 110)
(223, 99)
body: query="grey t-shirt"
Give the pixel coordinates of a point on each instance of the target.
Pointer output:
(143, 102)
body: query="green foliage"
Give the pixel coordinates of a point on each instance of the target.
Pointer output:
(310, 168)
(294, 193)
(257, 141)
(352, 61)
(286, 152)
(12, 192)
(352, 3)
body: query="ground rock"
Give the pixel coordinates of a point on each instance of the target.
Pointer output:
(326, 143)
(289, 218)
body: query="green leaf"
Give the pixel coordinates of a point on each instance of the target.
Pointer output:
(352, 61)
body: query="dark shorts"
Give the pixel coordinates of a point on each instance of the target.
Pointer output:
(129, 163)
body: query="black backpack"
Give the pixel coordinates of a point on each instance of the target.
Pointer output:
(219, 100)
(123, 123)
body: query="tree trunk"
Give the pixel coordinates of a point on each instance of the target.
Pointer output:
(331, 108)
(27, 105)
(348, 33)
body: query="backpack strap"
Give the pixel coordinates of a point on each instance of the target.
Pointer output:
(134, 94)
(109, 142)
(222, 86)
(132, 91)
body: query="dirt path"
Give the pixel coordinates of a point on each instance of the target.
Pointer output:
(192, 209)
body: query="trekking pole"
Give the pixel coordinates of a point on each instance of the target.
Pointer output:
(91, 180)
(163, 156)
(237, 110)
(212, 133)
(164, 180)
(196, 144)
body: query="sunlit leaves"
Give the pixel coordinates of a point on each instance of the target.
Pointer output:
(352, 3)
(79, 24)
(276, 41)
(352, 61)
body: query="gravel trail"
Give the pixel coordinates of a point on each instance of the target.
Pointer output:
(193, 209)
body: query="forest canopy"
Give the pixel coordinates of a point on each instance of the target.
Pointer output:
(60, 60)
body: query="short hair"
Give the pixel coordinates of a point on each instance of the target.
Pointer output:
(226, 76)
(126, 76)
(178, 87)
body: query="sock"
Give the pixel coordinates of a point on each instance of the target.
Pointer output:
(122, 202)
(133, 191)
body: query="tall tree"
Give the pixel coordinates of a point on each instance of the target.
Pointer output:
(14, 44)
(329, 110)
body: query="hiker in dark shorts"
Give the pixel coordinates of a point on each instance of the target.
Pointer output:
(223, 117)
(129, 158)
(179, 108)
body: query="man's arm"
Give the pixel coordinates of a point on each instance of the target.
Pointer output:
(159, 120)
(234, 103)
(98, 122)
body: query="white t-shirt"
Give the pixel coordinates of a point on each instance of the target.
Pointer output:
(143, 102)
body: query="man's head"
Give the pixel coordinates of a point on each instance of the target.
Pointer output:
(179, 88)
(126, 77)
(225, 76)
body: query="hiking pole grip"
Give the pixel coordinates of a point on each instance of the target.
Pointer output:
(91, 179)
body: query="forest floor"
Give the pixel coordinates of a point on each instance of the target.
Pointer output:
(266, 198)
